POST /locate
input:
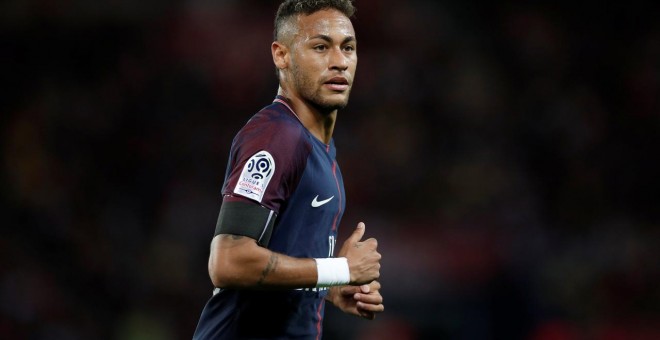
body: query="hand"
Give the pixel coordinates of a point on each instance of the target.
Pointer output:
(363, 257)
(364, 301)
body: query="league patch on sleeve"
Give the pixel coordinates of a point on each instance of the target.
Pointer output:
(256, 174)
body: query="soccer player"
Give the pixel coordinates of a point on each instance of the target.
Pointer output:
(272, 253)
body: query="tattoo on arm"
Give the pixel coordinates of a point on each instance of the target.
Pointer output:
(270, 267)
(236, 237)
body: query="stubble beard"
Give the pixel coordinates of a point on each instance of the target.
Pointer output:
(310, 92)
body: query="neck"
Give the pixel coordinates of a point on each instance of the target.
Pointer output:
(320, 124)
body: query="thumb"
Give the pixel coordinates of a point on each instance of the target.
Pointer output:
(357, 234)
(365, 289)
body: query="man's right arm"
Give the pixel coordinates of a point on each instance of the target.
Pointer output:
(239, 262)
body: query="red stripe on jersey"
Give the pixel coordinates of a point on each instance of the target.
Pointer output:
(334, 173)
(318, 324)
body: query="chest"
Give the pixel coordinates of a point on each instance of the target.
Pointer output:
(308, 224)
(321, 188)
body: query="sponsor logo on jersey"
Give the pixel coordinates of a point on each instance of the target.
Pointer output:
(256, 175)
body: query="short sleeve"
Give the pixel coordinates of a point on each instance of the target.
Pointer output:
(267, 158)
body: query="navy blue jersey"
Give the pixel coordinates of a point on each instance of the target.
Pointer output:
(300, 181)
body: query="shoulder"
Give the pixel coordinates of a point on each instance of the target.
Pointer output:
(268, 156)
(273, 128)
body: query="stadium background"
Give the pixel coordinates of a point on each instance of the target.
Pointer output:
(505, 156)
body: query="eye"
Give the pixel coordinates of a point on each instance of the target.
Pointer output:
(349, 48)
(320, 48)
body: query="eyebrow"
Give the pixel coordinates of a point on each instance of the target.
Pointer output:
(327, 38)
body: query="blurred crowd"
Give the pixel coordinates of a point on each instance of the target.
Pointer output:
(504, 156)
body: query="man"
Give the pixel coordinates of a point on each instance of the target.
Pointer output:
(271, 257)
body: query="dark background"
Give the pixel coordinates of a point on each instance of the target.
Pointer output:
(504, 155)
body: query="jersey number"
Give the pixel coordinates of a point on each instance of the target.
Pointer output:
(331, 245)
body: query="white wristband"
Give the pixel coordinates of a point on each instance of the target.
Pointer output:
(332, 272)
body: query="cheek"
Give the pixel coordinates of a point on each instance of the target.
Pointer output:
(315, 65)
(311, 69)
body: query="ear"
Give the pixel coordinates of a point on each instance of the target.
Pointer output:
(280, 55)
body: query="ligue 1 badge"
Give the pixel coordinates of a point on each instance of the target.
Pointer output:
(256, 175)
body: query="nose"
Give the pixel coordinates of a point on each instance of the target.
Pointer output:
(338, 60)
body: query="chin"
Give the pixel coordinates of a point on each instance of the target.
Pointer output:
(331, 105)
(334, 102)
(328, 102)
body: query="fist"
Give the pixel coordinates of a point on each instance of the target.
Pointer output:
(363, 257)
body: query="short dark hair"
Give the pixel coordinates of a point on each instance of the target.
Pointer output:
(289, 8)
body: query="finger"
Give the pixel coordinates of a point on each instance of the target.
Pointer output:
(372, 287)
(369, 298)
(357, 234)
(372, 241)
(367, 307)
(365, 289)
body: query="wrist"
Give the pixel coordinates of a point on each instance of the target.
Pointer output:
(332, 293)
(332, 272)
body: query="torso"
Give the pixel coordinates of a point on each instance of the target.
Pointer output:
(309, 199)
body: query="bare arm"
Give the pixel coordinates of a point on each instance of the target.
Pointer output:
(239, 262)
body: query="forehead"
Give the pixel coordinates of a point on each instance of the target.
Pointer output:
(329, 22)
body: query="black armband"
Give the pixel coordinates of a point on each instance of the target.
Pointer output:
(246, 219)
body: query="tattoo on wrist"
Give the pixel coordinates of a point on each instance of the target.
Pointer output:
(236, 237)
(270, 267)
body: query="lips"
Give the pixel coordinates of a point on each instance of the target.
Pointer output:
(337, 84)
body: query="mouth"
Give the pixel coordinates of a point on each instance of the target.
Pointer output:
(339, 84)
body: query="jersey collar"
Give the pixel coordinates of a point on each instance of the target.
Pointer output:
(282, 100)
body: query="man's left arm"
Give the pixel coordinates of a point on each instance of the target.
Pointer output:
(364, 300)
